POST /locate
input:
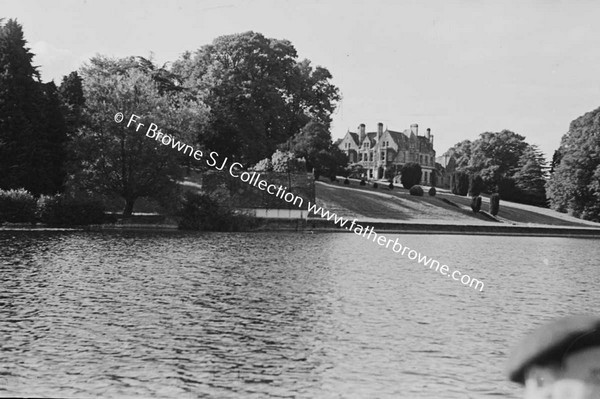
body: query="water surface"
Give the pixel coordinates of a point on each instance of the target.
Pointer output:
(277, 315)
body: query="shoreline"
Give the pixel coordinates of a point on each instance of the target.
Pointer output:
(325, 226)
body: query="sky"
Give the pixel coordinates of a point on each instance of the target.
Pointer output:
(459, 67)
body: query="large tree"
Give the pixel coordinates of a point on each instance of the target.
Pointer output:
(117, 160)
(575, 184)
(496, 156)
(259, 95)
(32, 131)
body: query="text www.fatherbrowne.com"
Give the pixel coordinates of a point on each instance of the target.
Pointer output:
(253, 179)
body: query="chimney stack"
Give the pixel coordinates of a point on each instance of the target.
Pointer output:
(414, 128)
(379, 130)
(361, 131)
(429, 134)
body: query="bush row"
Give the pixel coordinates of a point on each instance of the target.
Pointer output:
(202, 212)
(20, 206)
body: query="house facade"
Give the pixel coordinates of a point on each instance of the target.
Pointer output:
(385, 151)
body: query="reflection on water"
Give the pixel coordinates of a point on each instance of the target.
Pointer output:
(275, 314)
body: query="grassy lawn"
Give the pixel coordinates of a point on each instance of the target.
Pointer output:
(381, 203)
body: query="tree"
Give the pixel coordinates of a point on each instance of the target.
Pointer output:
(496, 156)
(259, 95)
(460, 156)
(31, 125)
(556, 157)
(330, 163)
(309, 141)
(460, 183)
(72, 101)
(575, 184)
(530, 178)
(411, 174)
(476, 185)
(116, 160)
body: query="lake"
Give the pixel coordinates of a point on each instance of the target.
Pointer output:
(277, 314)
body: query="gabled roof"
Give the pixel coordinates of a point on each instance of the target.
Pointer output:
(371, 137)
(354, 137)
(399, 138)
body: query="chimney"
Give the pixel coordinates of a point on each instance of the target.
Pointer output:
(361, 131)
(379, 130)
(432, 141)
(414, 128)
(429, 134)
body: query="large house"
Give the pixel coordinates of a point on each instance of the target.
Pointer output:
(387, 150)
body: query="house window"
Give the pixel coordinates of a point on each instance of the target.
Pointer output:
(421, 159)
(371, 156)
(383, 155)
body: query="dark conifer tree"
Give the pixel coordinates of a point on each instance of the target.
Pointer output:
(32, 130)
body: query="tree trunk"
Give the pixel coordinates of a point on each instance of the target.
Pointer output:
(128, 207)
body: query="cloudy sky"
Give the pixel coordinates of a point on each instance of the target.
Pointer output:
(459, 67)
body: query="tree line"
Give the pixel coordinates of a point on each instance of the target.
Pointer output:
(244, 95)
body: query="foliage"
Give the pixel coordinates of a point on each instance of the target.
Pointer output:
(264, 165)
(575, 184)
(313, 138)
(411, 174)
(494, 204)
(391, 186)
(32, 128)
(459, 156)
(63, 210)
(459, 183)
(363, 182)
(116, 160)
(356, 171)
(476, 203)
(476, 185)
(434, 178)
(416, 190)
(258, 93)
(507, 164)
(206, 213)
(432, 191)
(375, 185)
(530, 179)
(281, 162)
(330, 163)
(17, 206)
(72, 101)
(346, 182)
(287, 162)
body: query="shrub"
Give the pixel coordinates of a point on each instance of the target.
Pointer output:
(434, 178)
(411, 174)
(375, 185)
(432, 191)
(476, 185)
(494, 204)
(391, 186)
(61, 210)
(476, 204)
(17, 206)
(346, 182)
(333, 178)
(416, 190)
(460, 183)
(201, 212)
(363, 182)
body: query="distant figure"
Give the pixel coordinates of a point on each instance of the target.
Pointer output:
(560, 360)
